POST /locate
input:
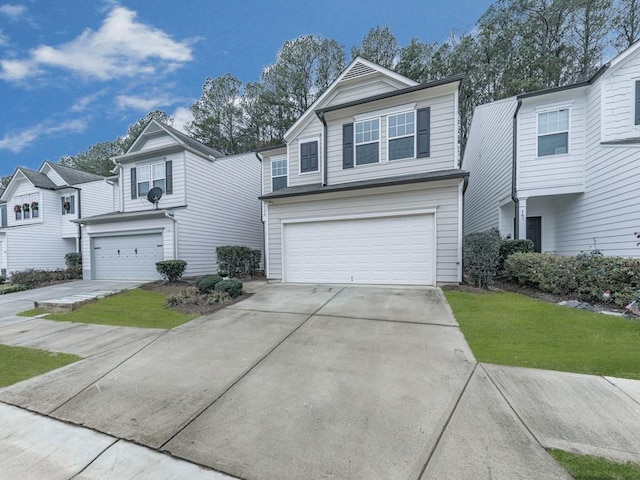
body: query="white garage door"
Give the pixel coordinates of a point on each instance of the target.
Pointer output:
(127, 257)
(381, 250)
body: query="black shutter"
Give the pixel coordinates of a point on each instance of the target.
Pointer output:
(347, 145)
(304, 157)
(62, 206)
(637, 102)
(313, 156)
(169, 176)
(424, 132)
(134, 184)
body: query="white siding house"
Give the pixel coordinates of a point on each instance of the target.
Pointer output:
(366, 188)
(208, 200)
(559, 166)
(38, 229)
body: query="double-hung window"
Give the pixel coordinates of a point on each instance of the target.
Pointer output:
(367, 141)
(401, 135)
(27, 206)
(68, 205)
(278, 174)
(553, 132)
(150, 176)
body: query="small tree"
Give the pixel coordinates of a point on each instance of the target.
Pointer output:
(481, 252)
(171, 270)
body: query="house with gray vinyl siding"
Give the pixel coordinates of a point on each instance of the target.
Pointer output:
(208, 200)
(560, 166)
(367, 188)
(38, 209)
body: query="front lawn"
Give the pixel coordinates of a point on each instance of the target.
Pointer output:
(512, 329)
(20, 363)
(586, 467)
(133, 308)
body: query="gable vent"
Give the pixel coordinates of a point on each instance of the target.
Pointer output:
(153, 128)
(358, 70)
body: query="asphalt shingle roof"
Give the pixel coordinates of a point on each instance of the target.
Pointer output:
(73, 176)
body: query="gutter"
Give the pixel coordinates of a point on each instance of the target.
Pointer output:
(325, 171)
(168, 215)
(262, 213)
(514, 163)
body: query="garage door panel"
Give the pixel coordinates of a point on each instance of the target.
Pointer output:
(127, 257)
(394, 249)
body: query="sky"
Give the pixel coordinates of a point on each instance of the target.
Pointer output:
(74, 72)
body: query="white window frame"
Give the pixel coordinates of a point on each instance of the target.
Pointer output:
(356, 144)
(152, 179)
(286, 167)
(28, 198)
(389, 137)
(71, 198)
(300, 142)
(554, 108)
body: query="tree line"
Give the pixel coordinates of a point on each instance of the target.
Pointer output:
(517, 46)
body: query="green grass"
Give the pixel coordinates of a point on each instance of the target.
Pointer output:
(586, 467)
(34, 312)
(20, 363)
(134, 308)
(511, 329)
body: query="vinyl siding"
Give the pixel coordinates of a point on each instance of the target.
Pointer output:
(488, 159)
(162, 140)
(96, 198)
(618, 100)
(442, 196)
(266, 168)
(363, 90)
(68, 229)
(313, 132)
(553, 173)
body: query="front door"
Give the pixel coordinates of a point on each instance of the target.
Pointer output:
(534, 232)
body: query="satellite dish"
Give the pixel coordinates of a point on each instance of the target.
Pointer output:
(154, 196)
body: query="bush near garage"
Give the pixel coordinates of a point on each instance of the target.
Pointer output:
(233, 287)
(73, 260)
(238, 261)
(208, 283)
(33, 277)
(481, 251)
(585, 276)
(192, 299)
(171, 270)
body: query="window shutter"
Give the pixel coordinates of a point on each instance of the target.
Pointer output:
(637, 102)
(62, 206)
(304, 157)
(169, 176)
(347, 145)
(424, 132)
(134, 184)
(313, 156)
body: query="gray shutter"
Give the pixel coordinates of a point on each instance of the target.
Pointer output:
(424, 132)
(304, 157)
(347, 145)
(134, 183)
(62, 206)
(169, 176)
(313, 156)
(637, 102)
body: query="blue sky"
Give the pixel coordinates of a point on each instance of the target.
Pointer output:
(76, 72)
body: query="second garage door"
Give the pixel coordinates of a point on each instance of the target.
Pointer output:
(379, 250)
(127, 257)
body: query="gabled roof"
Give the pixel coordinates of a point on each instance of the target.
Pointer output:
(358, 68)
(621, 57)
(186, 141)
(37, 179)
(71, 176)
(571, 86)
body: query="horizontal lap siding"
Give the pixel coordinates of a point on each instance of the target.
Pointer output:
(362, 90)
(312, 132)
(618, 92)
(488, 159)
(443, 198)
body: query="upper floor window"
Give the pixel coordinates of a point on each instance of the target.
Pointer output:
(401, 135)
(553, 132)
(309, 157)
(278, 174)
(26, 206)
(68, 204)
(150, 176)
(367, 141)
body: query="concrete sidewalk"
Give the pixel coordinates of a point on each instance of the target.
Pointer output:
(306, 382)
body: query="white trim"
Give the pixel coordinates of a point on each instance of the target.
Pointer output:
(385, 112)
(127, 233)
(549, 109)
(279, 158)
(460, 236)
(378, 141)
(267, 252)
(397, 213)
(310, 139)
(414, 135)
(456, 133)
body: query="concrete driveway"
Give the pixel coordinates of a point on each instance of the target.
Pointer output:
(296, 382)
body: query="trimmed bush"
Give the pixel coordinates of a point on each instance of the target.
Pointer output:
(192, 298)
(32, 277)
(208, 283)
(171, 270)
(73, 260)
(511, 246)
(482, 257)
(233, 287)
(238, 261)
(16, 287)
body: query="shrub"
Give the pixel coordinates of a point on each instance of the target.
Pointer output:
(482, 256)
(233, 287)
(32, 277)
(73, 260)
(192, 298)
(509, 247)
(171, 270)
(208, 283)
(16, 287)
(238, 260)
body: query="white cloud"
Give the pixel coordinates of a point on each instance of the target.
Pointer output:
(84, 102)
(181, 116)
(13, 11)
(121, 47)
(3, 38)
(127, 102)
(17, 141)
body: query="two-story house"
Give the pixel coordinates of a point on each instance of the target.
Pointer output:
(560, 166)
(367, 188)
(208, 200)
(38, 212)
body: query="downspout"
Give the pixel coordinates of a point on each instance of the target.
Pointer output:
(79, 246)
(175, 234)
(514, 163)
(325, 144)
(264, 236)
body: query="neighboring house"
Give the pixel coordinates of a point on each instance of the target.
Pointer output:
(208, 200)
(39, 207)
(561, 166)
(367, 188)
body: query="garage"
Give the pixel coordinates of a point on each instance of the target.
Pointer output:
(389, 249)
(127, 257)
